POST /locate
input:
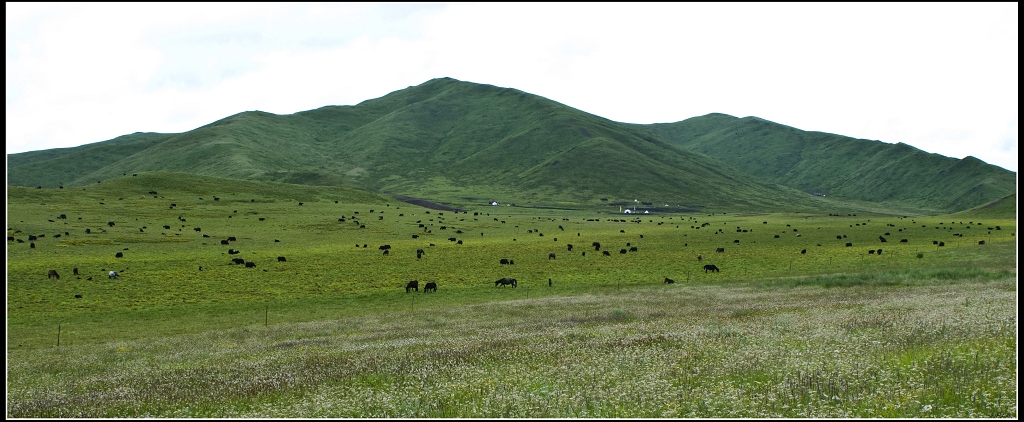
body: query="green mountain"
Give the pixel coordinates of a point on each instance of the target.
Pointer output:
(896, 175)
(466, 143)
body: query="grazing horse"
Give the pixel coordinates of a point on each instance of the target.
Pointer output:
(505, 282)
(710, 267)
(412, 285)
(52, 274)
(114, 274)
(430, 287)
(669, 280)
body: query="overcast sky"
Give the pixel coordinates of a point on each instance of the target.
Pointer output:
(941, 77)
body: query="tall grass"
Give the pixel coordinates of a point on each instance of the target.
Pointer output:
(738, 350)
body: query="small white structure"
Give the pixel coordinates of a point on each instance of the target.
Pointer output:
(627, 211)
(494, 203)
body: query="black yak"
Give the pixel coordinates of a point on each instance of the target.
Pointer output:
(505, 282)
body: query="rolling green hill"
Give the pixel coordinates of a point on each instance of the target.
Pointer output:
(466, 143)
(896, 175)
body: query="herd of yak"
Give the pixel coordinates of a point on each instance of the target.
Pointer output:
(432, 286)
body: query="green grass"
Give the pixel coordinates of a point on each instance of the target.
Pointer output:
(834, 332)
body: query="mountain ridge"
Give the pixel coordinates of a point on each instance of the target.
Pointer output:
(450, 141)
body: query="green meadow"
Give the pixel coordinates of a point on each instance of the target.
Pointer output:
(795, 324)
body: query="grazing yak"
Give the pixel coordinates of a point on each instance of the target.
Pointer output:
(700, 257)
(281, 259)
(710, 267)
(75, 270)
(504, 261)
(569, 246)
(720, 250)
(669, 280)
(412, 285)
(250, 264)
(232, 251)
(505, 282)
(606, 253)
(238, 261)
(114, 274)
(551, 255)
(119, 255)
(430, 287)
(52, 274)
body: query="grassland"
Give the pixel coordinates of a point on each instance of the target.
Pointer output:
(921, 330)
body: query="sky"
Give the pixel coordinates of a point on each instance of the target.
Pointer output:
(941, 77)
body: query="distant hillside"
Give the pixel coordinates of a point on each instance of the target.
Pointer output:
(460, 142)
(896, 175)
(1005, 207)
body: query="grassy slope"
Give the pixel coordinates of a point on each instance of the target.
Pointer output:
(894, 175)
(63, 166)
(539, 151)
(460, 142)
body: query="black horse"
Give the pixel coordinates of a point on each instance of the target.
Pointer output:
(430, 287)
(710, 267)
(412, 285)
(505, 282)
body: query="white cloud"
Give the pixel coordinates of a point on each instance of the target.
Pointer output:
(941, 77)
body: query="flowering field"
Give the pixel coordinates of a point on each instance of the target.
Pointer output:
(924, 346)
